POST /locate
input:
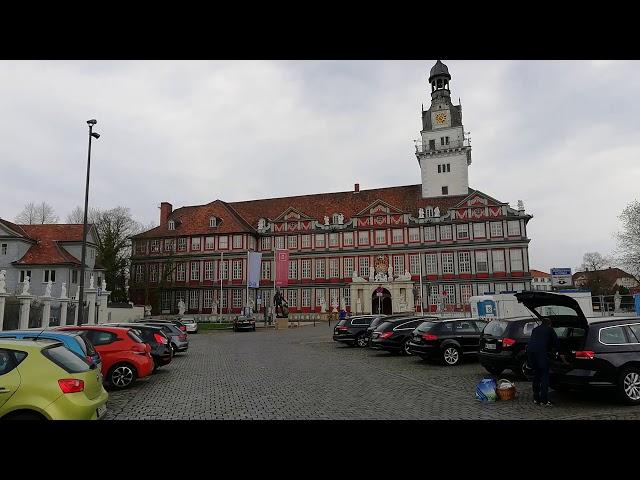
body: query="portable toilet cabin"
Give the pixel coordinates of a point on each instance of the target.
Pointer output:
(505, 305)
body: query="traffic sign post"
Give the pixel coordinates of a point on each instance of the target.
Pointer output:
(561, 277)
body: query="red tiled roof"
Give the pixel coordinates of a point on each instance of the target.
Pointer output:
(539, 274)
(47, 250)
(609, 275)
(13, 226)
(243, 216)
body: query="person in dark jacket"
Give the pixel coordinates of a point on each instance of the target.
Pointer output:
(543, 341)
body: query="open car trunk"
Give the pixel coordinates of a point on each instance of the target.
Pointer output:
(567, 319)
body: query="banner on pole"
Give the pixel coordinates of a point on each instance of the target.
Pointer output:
(282, 268)
(253, 272)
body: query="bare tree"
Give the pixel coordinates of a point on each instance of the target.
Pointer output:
(77, 215)
(592, 261)
(629, 238)
(33, 214)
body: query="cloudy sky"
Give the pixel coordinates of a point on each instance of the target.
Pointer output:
(563, 136)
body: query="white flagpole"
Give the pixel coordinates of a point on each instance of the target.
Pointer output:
(221, 259)
(275, 263)
(421, 293)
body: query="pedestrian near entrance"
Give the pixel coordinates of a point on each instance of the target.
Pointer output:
(543, 341)
(343, 314)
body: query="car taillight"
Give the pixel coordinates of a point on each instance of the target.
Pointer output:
(71, 385)
(429, 337)
(89, 360)
(507, 342)
(588, 354)
(183, 328)
(386, 334)
(343, 328)
(182, 337)
(160, 339)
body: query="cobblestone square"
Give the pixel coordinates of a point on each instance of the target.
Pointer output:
(302, 374)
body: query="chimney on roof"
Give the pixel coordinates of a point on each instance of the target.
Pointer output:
(165, 210)
(356, 188)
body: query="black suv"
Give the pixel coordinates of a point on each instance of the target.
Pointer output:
(158, 340)
(447, 340)
(393, 334)
(376, 322)
(353, 330)
(503, 345)
(600, 353)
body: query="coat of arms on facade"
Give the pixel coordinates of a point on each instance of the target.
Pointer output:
(381, 264)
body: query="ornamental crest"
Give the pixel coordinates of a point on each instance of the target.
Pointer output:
(381, 264)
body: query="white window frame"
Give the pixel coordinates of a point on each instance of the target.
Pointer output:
(237, 269)
(223, 242)
(182, 244)
(363, 267)
(236, 298)
(196, 244)
(495, 229)
(462, 231)
(213, 222)
(194, 273)
(513, 228)
(347, 239)
(153, 273)
(305, 241)
(482, 264)
(265, 270)
(292, 242)
(292, 298)
(414, 264)
(497, 259)
(210, 243)
(171, 225)
(464, 262)
(380, 237)
(447, 263)
(223, 267)
(479, 230)
(155, 246)
(414, 234)
(431, 262)
(194, 299)
(265, 243)
(168, 244)
(450, 298)
(334, 239)
(181, 272)
(346, 294)
(319, 294)
(237, 242)
(347, 264)
(334, 268)
(430, 233)
(397, 235)
(207, 299)
(49, 274)
(208, 270)
(516, 254)
(293, 269)
(306, 297)
(363, 237)
(446, 232)
(306, 268)
(320, 268)
(466, 292)
(398, 264)
(319, 240)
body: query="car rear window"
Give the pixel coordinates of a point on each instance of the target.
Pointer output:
(528, 327)
(342, 322)
(426, 326)
(383, 326)
(496, 328)
(66, 359)
(134, 334)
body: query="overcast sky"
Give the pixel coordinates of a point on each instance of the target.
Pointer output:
(563, 136)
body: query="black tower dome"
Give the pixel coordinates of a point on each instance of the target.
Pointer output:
(439, 79)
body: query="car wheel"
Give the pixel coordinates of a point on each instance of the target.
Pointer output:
(174, 349)
(494, 370)
(629, 385)
(521, 369)
(122, 375)
(24, 416)
(451, 355)
(405, 348)
(361, 341)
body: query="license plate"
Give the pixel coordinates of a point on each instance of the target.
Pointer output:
(490, 346)
(101, 410)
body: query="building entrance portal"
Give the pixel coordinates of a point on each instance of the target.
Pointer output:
(381, 304)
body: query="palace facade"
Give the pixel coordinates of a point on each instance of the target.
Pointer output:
(367, 250)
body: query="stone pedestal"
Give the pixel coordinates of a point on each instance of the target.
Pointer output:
(91, 301)
(63, 311)
(282, 323)
(3, 297)
(25, 308)
(102, 308)
(46, 311)
(75, 315)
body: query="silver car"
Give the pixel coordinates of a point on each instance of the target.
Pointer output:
(179, 340)
(190, 323)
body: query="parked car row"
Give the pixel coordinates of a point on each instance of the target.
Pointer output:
(59, 373)
(592, 353)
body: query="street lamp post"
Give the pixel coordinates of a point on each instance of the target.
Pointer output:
(95, 135)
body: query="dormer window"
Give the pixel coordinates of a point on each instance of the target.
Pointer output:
(335, 218)
(213, 222)
(172, 225)
(428, 212)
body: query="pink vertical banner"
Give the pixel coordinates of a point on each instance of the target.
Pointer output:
(282, 268)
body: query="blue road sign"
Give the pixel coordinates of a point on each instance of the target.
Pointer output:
(560, 271)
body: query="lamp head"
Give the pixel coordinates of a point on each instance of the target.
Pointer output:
(91, 122)
(95, 135)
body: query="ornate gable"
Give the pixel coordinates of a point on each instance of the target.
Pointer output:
(291, 214)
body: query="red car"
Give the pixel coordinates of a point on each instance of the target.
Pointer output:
(124, 355)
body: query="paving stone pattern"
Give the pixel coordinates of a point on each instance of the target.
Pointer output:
(300, 373)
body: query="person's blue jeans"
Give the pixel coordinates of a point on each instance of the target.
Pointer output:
(539, 362)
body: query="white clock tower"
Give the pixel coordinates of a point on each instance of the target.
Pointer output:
(444, 154)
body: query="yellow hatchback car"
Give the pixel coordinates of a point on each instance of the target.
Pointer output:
(42, 379)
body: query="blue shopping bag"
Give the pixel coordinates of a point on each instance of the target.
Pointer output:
(486, 390)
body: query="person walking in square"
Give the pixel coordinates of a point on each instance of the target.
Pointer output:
(543, 341)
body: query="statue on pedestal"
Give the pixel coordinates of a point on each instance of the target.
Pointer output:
(91, 282)
(404, 277)
(3, 275)
(214, 308)
(77, 297)
(390, 273)
(355, 278)
(261, 224)
(436, 212)
(63, 290)
(340, 219)
(47, 291)
(181, 307)
(421, 213)
(326, 220)
(323, 305)
(371, 275)
(26, 285)
(617, 300)
(104, 285)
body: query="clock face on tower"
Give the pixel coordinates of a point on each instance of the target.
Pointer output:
(441, 117)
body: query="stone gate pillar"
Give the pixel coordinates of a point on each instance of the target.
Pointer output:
(63, 311)
(102, 308)
(3, 297)
(46, 312)
(25, 308)
(91, 301)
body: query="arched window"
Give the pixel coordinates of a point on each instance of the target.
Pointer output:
(172, 225)
(336, 218)
(213, 222)
(439, 83)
